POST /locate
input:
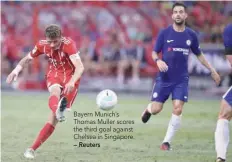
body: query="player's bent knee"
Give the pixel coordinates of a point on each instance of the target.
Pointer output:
(55, 90)
(177, 109)
(156, 107)
(226, 111)
(226, 115)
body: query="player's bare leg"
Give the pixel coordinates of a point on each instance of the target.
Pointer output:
(222, 135)
(55, 104)
(153, 108)
(174, 124)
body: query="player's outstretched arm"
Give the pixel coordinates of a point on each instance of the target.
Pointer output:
(214, 73)
(14, 74)
(79, 69)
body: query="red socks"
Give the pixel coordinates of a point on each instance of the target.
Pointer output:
(43, 135)
(53, 102)
(48, 129)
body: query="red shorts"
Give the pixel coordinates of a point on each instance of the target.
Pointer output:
(52, 81)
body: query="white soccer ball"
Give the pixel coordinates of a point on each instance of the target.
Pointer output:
(106, 99)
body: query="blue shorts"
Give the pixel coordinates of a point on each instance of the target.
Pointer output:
(162, 90)
(228, 96)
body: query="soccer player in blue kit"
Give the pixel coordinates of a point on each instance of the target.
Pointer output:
(175, 43)
(222, 134)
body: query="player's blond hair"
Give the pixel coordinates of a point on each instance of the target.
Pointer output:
(53, 31)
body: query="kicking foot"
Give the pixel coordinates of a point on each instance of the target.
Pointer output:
(60, 109)
(166, 146)
(146, 116)
(220, 160)
(29, 153)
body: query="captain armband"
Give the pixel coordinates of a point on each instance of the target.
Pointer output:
(75, 56)
(29, 55)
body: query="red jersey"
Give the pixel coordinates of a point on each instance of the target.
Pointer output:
(59, 63)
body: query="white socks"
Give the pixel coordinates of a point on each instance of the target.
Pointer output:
(174, 125)
(222, 137)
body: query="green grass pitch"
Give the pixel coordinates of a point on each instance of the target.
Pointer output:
(23, 116)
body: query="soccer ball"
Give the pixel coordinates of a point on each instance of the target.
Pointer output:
(106, 99)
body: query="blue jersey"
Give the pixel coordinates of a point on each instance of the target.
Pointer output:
(175, 48)
(227, 38)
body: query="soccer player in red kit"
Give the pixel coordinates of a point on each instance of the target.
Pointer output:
(63, 78)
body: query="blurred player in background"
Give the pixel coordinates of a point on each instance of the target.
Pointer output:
(132, 58)
(222, 134)
(89, 56)
(111, 53)
(63, 77)
(175, 43)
